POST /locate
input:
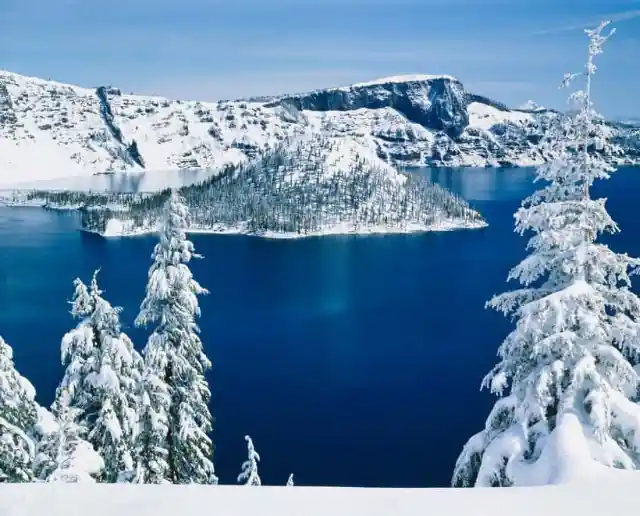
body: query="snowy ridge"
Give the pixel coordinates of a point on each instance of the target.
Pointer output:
(51, 130)
(400, 79)
(589, 498)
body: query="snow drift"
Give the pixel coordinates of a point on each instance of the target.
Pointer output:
(611, 497)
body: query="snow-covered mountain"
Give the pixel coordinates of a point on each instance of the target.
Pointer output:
(49, 129)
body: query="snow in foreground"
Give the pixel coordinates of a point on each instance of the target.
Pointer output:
(604, 497)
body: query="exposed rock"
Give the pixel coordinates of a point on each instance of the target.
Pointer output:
(437, 103)
(7, 114)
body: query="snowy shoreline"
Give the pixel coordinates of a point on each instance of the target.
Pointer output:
(95, 183)
(115, 229)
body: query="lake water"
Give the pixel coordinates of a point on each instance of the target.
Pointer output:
(126, 181)
(349, 360)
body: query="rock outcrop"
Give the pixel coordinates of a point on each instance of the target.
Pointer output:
(436, 103)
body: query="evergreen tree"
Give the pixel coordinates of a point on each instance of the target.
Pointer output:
(151, 450)
(570, 408)
(101, 381)
(63, 455)
(176, 392)
(77, 352)
(18, 417)
(249, 474)
(290, 481)
(116, 385)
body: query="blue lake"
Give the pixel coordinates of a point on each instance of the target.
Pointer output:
(350, 360)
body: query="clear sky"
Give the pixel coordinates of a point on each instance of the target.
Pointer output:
(511, 50)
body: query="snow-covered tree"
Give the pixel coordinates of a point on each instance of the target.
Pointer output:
(249, 474)
(101, 381)
(290, 481)
(18, 417)
(570, 407)
(77, 351)
(62, 454)
(176, 392)
(115, 384)
(151, 446)
(530, 105)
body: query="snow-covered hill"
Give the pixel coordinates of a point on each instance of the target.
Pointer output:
(50, 130)
(596, 498)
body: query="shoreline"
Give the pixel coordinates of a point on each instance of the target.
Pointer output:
(338, 230)
(470, 163)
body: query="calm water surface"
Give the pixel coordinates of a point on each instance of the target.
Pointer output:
(349, 360)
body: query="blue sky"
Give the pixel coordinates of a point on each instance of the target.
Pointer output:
(512, 50)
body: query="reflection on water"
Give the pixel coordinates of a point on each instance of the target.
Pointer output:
(483, 184)
(479, 184)
(124, 182)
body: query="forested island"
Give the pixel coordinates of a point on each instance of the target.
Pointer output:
(303, 187)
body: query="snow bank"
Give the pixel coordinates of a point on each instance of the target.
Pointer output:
(596, 498)
(567, 458)
(116, 228)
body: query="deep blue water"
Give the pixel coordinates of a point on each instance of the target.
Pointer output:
(349, 360)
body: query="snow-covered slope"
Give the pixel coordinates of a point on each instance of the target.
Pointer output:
(604, 497)
(50, 130)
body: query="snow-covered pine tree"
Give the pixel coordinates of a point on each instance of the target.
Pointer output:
(151, 447)
(115, 384)
(290, 481)
(18, 417)
(249, 474)
(101, 381)
(77, 351)
(62, 454)
(570, 407)
(175, 361)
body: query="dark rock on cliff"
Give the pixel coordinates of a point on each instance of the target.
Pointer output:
(438, 103)
(7, 114)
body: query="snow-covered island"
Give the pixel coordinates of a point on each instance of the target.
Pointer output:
(54, 130)
(308, 186)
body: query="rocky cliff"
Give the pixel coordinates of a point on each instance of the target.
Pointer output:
(438, 103)
(49, 129)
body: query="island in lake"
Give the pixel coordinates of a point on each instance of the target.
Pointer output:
(307, 186)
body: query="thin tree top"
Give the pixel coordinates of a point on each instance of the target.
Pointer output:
(174, 248)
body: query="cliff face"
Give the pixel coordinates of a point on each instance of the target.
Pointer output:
(436, 103)
(51, 130)
(7, 114)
